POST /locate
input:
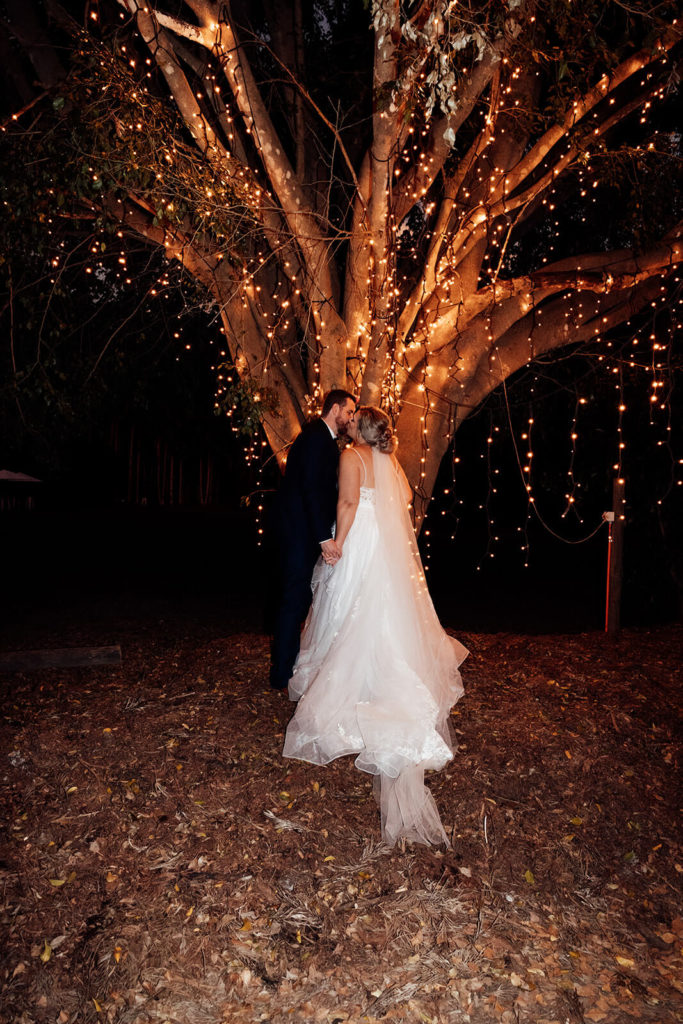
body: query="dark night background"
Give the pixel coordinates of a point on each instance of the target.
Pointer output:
(93, 549)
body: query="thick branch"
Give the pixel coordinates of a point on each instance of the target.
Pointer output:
(537, 335)
(430, 417)
(217, 34)
(288, 189)
(275, 230)
(253, 360)
(592, 272)
(319, 283)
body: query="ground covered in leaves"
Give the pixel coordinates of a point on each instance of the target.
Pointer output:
(162, 862)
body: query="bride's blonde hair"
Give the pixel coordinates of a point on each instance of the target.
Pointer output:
(374, 426)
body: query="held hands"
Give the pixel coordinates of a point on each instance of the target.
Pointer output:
(331, 552)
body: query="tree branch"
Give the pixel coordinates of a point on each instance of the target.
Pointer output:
(217, 34)
(381, 225)
(528, 339)
(592, 272)
(607, 85)
(426, 285)
(417, 182)
(161, 47)
(326, 121)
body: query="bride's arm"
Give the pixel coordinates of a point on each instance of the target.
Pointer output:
(349, 494)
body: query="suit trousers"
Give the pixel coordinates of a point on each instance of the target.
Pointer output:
(296, 560)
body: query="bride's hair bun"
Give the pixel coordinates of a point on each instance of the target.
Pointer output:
(374, 426)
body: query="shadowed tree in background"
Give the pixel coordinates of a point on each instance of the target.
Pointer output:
(414, 200)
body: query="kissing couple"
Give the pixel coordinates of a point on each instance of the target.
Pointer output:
(373, 672)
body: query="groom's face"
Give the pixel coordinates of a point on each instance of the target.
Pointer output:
(345, 414)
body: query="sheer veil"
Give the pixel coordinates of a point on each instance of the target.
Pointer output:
(407, 807)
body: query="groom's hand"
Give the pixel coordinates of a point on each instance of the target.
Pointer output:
(331, 552)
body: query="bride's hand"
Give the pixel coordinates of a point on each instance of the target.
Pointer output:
(335, 558)
(331, 552)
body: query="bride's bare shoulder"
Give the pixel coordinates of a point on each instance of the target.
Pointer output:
(355, 451)
(350, 459)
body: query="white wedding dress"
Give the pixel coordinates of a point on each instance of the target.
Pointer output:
(377, 675)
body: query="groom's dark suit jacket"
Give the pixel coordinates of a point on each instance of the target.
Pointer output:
(303, 515)
(306, 505)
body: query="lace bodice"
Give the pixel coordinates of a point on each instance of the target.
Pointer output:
(367, 497)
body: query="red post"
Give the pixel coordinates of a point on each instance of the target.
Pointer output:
(615, 558)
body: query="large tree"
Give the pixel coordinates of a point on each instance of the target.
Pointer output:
(406, 200)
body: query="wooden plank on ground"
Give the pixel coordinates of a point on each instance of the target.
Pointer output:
(65, 657)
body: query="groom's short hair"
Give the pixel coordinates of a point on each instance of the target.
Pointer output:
(337, 396)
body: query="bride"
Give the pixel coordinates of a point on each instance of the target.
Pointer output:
(376, 674)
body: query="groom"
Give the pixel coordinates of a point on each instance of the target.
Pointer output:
(304, 514)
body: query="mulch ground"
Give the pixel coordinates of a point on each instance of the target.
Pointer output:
(162, 862)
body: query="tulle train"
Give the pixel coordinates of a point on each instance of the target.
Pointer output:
(407, 809)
